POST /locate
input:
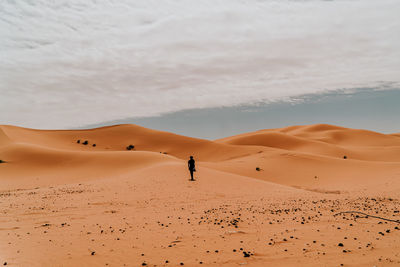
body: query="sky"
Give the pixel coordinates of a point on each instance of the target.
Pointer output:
(362, 108)
(66, 64)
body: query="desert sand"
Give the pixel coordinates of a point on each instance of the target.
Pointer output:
(267, 198)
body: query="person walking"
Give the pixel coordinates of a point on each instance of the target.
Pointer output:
(191, 167)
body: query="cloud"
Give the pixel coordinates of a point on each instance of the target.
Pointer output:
(69, 63)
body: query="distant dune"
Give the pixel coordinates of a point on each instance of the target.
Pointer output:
(291, 156)
(83, 197)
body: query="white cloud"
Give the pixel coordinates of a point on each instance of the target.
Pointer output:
(69, 63)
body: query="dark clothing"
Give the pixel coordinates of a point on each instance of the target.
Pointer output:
(191, 167)
(191, 164)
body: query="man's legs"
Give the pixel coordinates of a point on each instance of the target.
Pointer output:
(191, 173)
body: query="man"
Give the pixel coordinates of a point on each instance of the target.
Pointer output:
(191, 167)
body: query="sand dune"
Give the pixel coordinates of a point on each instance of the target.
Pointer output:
(301, 156)
(270, 195)
(30, 166)
(4, 140)
(335, 135)
(117, 138)
(325, 140)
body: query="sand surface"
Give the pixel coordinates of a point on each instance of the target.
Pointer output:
(265, 198)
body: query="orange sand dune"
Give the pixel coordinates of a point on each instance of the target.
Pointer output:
(264, 198)
(4, 140)
(300, 156)
(335, 135)
(318, 156)
(325, 140)
(117, 138)
(31, 165)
